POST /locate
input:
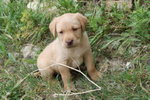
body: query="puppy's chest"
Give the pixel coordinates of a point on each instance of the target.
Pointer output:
(75, 58)
(75, 61)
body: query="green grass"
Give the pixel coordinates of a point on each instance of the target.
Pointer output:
(121, 34)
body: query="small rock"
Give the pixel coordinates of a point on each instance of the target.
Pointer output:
(43, 6)
(29, 51)
(35, 49)
(35, 5)
(128, 65)
(120, 3)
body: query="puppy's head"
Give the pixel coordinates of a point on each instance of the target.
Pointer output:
(69, 28)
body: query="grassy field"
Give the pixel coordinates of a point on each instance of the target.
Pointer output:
(120, 40)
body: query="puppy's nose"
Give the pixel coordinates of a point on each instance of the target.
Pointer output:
(69, 42)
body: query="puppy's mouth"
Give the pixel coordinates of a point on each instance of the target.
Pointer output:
(70, 46)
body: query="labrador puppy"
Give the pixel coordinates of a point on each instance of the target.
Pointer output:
(71, 47)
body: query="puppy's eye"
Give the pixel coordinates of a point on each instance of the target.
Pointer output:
(61, 32)
(74, 29)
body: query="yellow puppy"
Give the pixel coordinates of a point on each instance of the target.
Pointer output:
(71, 47)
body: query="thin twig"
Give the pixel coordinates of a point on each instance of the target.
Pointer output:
(22, 80)
(55, 95)
(76, 93)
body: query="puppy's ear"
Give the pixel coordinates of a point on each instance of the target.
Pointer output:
(52, 27)
(83, 20)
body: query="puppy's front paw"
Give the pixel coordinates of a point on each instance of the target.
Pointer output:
(70, 89)
(96, 75)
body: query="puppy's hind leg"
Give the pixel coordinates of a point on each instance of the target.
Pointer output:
(47, 74)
